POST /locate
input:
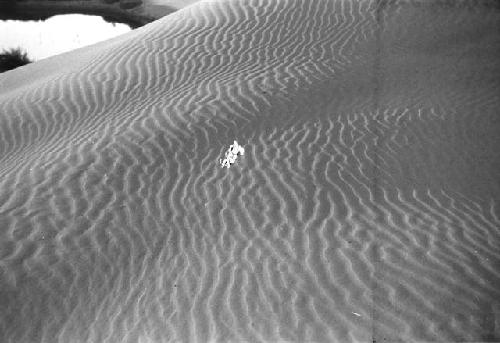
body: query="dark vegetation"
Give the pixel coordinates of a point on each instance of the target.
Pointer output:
(13, 58)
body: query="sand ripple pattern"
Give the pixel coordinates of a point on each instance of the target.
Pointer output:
(366, 207)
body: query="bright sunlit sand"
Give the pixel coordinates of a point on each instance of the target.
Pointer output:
(366, 206)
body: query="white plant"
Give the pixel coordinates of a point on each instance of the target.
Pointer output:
(231, 154)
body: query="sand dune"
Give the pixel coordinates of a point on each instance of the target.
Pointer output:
(366, 207)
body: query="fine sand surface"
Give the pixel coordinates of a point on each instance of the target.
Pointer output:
(366, 207)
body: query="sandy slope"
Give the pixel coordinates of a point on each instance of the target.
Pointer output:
(366, 207)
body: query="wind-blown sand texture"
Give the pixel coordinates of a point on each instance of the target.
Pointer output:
(366, 207)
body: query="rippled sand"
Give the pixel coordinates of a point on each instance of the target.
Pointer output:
(366, 207)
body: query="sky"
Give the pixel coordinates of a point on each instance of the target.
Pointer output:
(58, 34)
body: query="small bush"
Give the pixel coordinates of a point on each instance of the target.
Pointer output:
(13, 58)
